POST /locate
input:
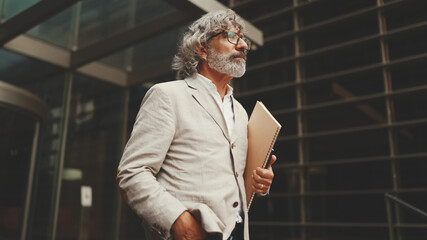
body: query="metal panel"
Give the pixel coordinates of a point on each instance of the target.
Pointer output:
(107, 73)
(39, 50)
(31, 17)
(197, 7)
(20, 98)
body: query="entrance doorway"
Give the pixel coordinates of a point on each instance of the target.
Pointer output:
(20, 116)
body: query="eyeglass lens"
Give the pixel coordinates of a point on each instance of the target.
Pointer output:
(234, 39)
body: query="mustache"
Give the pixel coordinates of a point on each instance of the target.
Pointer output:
(239, 55)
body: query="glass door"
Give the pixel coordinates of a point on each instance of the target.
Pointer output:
(20, 116)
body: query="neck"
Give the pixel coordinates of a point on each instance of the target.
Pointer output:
(220, 80)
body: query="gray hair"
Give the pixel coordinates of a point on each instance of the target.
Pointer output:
(187, 60)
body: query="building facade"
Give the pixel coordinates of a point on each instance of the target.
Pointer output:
(346, 79)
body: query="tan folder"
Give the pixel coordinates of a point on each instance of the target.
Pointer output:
(263, 130)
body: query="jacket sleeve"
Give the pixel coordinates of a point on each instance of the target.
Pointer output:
(142, 159)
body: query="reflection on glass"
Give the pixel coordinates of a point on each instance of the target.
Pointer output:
(93, 149)
(24, 71)
(51, 90)
(16, 137)
(13, 7)
(58, 30)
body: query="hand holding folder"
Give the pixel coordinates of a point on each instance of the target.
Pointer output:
(263, 130)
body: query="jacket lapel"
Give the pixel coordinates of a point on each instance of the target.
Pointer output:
(208, 103)
(238, 117)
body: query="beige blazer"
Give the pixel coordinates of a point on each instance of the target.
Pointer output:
(180, 157)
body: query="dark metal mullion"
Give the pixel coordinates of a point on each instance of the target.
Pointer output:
(335, 224)
(354, 100)
(350, 161)
(332, 162)
(319, 224)
(31, 17)
(379, 192)
(300, 121)
(385, 57)
(352, 130)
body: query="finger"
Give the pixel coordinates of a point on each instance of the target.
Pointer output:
(259, 188)
(272, 160)
(265, 173)
(257, 179)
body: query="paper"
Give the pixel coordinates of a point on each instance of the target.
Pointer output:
(263, 130)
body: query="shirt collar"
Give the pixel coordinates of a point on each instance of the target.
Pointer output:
(211, 86)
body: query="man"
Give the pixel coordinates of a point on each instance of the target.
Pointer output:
(182, 169)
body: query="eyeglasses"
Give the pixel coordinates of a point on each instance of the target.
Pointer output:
(233, 38)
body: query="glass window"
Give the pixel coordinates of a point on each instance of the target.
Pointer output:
(343, 31)
(289, 124)
(334, 232)
(286, 151)
(406, 14)
(276, 25)
(13, 7)
(17, 131)
(93, 149)
(283, 209)
(349, 145)
(411, 138)
(271, 51)
(103, 18)
(408, 44)
(286, 179)
(412, 173)
(363, 55)
(246, 8)
(266, 231)
(22, 71)
(273, 100)
(408, 75)
(130, 224)
(58, 30)
(52, 91)
(344, 87)
(365, 113)
(367, 208)
(159, 48)
(354, 176)
(418, 200)
(258, 76)
(410, 106)
(314, 14)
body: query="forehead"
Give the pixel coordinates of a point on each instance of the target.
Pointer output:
(234, 29)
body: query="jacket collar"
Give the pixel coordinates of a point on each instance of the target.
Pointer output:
(206, 100)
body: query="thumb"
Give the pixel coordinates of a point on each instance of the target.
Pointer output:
(272, 160)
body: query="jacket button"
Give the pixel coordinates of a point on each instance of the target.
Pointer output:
(236, 174)
(235, 204)
(233, 146)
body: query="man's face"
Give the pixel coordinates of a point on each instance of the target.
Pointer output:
(226, 57)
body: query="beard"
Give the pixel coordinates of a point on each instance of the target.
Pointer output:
(232, 65)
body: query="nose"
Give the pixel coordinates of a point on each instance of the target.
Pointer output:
(242, 45)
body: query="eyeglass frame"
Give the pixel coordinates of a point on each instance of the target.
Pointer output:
(240, 36)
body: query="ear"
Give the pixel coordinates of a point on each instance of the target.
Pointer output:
(202, 52)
